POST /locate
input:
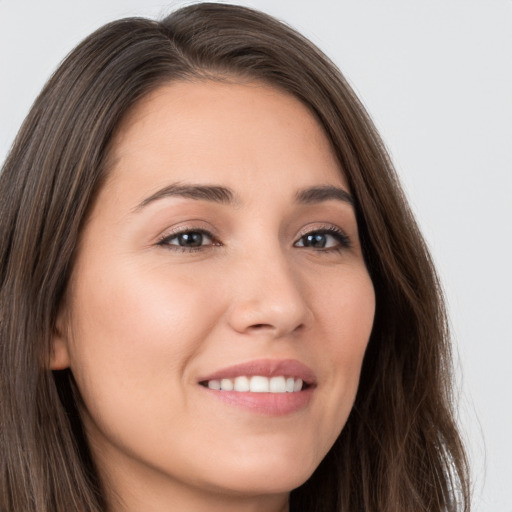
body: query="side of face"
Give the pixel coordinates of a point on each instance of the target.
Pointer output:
(223, 245)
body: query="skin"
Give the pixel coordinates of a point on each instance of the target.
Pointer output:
(143, 320)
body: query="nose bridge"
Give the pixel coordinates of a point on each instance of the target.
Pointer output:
(270, 294)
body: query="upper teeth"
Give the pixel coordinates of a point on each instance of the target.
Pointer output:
(258, 384)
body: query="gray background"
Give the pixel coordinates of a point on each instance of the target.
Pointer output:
(437, 78)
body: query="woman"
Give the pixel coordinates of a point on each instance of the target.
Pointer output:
(213, 294)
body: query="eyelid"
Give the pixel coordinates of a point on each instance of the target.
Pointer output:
(344, 241)
(342, 237)
(172, 233)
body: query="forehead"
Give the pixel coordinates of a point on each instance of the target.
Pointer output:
(222, 132)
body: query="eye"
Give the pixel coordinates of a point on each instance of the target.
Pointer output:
(324, 239)
(192, 239)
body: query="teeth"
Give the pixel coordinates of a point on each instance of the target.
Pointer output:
(258, 384)
(242, 384)
(214, 384)
(278, 385)
(226, 384)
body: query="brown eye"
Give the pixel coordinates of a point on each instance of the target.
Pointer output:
(324, 239)
(316, 240)
(188, 239)
(192, 239)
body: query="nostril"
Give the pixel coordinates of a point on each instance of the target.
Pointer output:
(262, 327)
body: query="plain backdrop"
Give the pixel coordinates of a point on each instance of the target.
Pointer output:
(436, 76)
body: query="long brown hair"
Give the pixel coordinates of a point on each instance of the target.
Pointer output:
(399, 451)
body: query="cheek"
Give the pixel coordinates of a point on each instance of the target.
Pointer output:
(347, 313)
(346, 308)
(133, 329)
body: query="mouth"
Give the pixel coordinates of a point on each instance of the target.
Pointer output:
(271, 387)
(258, 384)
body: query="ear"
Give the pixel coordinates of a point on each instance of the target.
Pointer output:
(59, 359)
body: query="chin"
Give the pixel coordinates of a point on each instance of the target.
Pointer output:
(275, 473)
(269, 483)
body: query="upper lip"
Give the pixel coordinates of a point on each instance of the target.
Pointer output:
(264, 368)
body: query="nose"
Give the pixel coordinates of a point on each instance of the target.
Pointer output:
(268, 297)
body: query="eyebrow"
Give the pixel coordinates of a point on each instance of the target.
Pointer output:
(224, 195)
(323, 193)
(213, 193)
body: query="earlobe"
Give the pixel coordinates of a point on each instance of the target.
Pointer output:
(59, 358)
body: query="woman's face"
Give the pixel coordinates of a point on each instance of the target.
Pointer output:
(223, 251)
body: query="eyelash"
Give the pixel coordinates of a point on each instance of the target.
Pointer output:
(339, 235)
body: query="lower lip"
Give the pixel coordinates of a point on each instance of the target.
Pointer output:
(270, 404)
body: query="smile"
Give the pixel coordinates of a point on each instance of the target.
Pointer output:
(269, 387)
(257, 384)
